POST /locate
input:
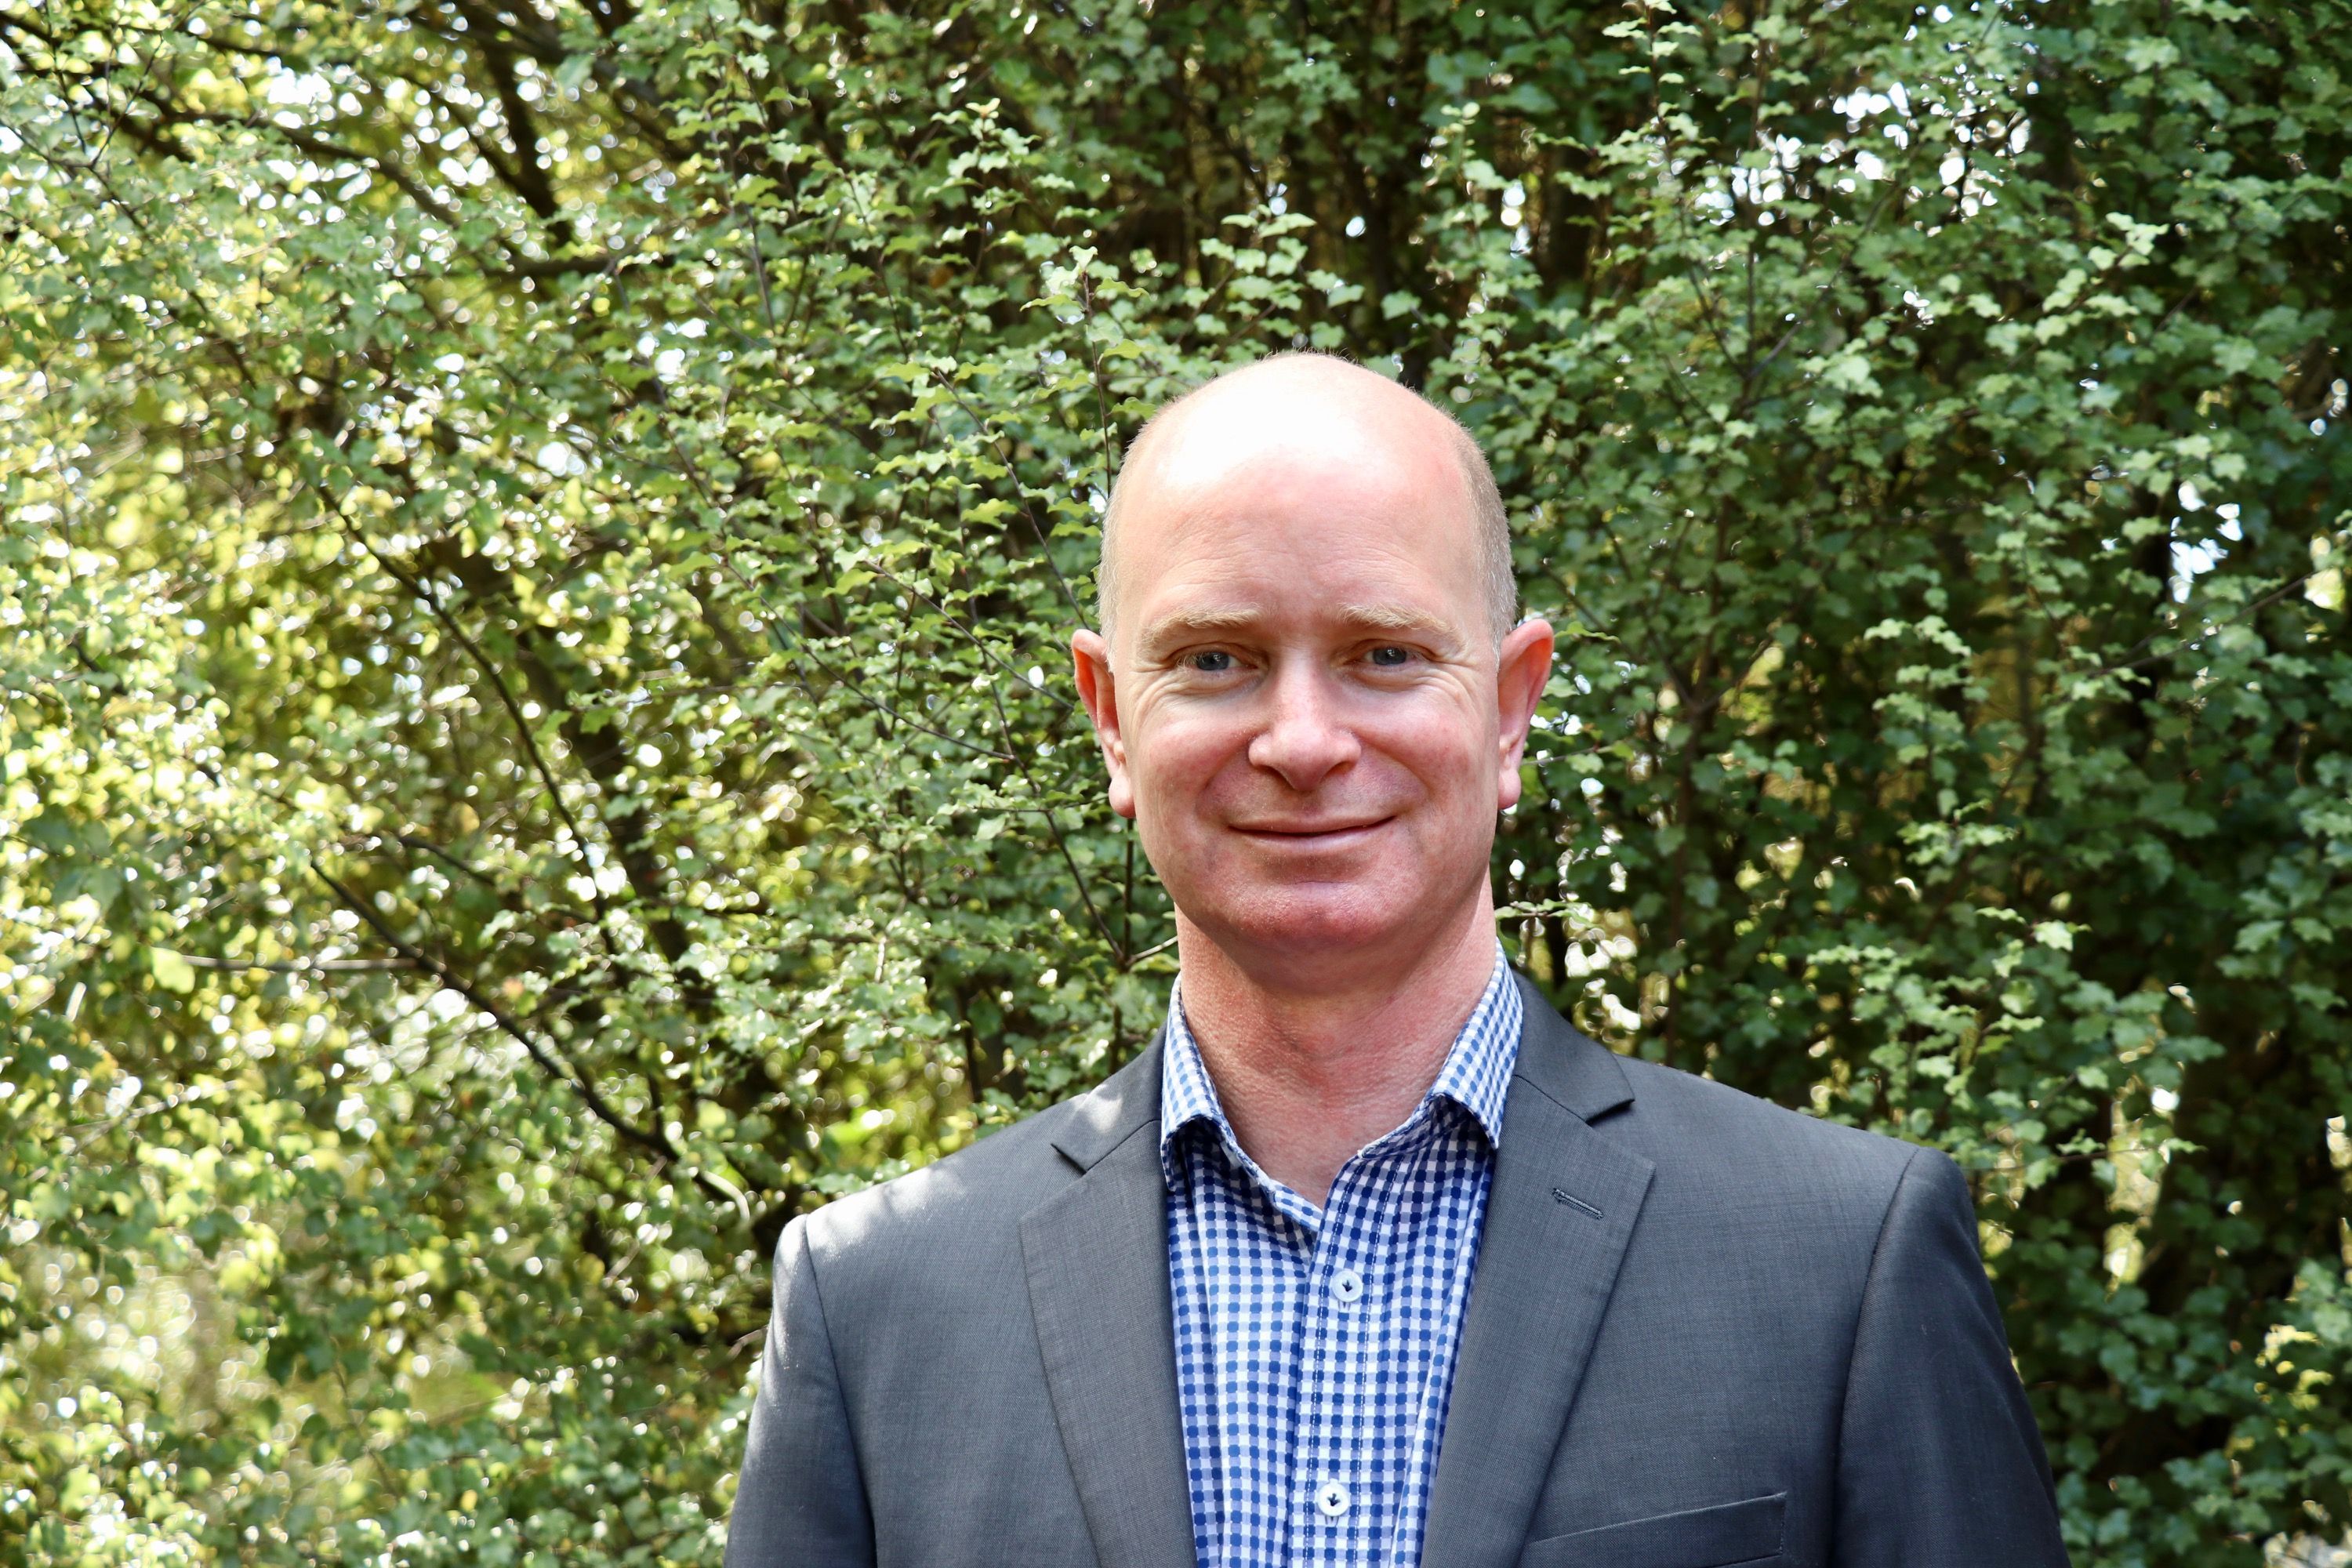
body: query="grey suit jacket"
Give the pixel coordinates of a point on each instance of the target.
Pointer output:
(1704, 1331)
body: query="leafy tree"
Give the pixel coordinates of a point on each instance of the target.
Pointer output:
(536, 542)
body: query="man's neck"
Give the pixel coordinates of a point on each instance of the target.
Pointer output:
(1310, 1075)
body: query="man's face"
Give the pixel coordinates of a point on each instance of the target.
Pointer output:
(1304, 709)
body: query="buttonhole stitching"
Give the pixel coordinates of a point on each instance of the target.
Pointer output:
(1573, 1201)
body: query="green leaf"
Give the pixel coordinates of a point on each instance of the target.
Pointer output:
(172, 972)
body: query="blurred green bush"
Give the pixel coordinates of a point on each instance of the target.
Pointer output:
(536, 545)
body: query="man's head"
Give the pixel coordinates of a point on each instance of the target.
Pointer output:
(1307, 686)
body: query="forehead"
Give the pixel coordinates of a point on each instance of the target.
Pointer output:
(1301, 501)
(1335, 545)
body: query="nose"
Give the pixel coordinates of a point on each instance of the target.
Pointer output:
(1304, 740)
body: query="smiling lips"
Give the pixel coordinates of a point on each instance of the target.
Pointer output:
(1312, 835)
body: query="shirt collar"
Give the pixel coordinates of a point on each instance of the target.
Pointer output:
(1476, 1074)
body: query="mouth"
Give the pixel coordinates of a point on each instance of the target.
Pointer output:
(1312, 835)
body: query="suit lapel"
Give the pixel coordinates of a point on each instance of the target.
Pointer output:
(1558, 1216)
(1096, 1255)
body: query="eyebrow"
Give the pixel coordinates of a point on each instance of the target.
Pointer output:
(1394, 618)
(1174, 628)
(1169, 631)
(1184, 621)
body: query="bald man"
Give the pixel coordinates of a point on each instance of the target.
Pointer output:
(1370, 1257)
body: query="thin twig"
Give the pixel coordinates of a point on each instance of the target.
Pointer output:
(652, 1139)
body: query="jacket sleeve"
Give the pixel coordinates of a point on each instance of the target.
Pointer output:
(1939, 1464)
(800, 1502)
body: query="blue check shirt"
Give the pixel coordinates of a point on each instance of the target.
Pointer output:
(1315, 1347)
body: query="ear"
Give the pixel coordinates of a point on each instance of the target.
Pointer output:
(1090, 657)
(1520, 673)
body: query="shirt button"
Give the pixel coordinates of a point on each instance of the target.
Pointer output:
(1332, 1498)
(1347, 1286)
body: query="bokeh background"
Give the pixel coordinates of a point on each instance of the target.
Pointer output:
(537, 542)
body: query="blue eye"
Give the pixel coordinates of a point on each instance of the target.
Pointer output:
(1391, 656)
(1213, 661)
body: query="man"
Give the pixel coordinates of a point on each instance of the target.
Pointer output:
(1370, 1257)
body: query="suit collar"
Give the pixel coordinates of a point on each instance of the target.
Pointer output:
(1097, 1259)
(1581, 1076)
(1104, 1117)
(1559, 1216)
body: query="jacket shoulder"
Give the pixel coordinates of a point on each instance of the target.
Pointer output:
(1697, 1133)
(1724, 1146)
(982, 1190)
(968, 1206)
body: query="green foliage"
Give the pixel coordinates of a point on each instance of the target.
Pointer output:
(536, 546)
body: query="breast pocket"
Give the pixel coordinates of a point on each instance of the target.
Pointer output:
(1731, 1535)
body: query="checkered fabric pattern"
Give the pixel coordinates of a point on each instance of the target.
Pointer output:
(1315, 1347)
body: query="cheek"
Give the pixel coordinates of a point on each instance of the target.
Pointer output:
(1176, 757)
(1440, 746)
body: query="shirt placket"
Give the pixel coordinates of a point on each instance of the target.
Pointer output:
(1338, 1502)
(1436, 1206)
(1286, 1228)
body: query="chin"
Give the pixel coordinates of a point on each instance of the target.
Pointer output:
(1308, 922)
